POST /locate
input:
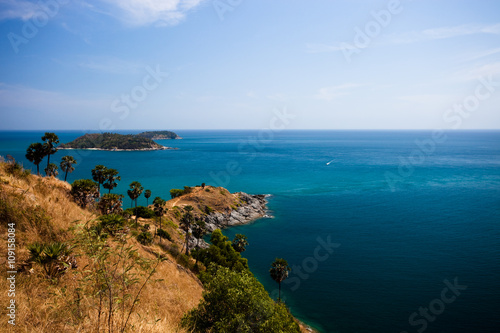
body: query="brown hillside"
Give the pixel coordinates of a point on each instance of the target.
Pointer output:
(42, 211)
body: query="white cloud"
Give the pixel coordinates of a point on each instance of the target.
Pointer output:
(333, 92)
(413, 37)
(477, 72)
(158, 12)
(18, 9)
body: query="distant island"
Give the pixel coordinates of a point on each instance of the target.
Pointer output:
(160, 135)
(119, 142)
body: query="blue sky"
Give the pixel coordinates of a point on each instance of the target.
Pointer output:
(233, 64)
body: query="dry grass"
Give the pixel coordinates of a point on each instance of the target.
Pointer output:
(43, 211)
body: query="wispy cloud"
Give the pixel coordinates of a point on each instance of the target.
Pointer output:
(483, 71)
(111, 65)
(333, 92)
(17, 96)
(157, 12)
(413, 37)
(443, 33)
(17, 9)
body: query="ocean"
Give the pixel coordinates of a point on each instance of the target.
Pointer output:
(386, 231)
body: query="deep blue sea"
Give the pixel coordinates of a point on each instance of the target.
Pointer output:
(387, 231)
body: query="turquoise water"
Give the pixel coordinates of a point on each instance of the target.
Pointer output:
(392, 243)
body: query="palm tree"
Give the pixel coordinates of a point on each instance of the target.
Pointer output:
(51, 140)
(147, 195)
(35, 154)
(199, 230)
(110, 178)
(51, 170)
(279, 272)
(134, 193)
(159, 209)
(239, 242)
(98, 174)
(67, 165)
(185, 224)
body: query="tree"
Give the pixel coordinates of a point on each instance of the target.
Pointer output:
(110, 178)
(240, 242)
(237, 302)
(147, 195)
(67, 165)
(134, 193)
(199, 230)
(186, 222)
(51, 140)
(35, 154)
(110, 203)
(279, 272)
(51, 170)
(98, 174)
(84, 192)
(159, 209)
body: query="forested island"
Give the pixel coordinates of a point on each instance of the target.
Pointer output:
(160, 135)
(114, 142)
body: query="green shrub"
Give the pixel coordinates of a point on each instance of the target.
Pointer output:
(175, 192)
(145, 238)
(237, 302)
(163, 234)
(54, 257)
(208, 209)
(141, 211)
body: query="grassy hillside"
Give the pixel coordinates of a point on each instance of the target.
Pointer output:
(152, 286)
(43, 212)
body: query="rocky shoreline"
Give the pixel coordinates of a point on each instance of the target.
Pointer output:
(252, 208)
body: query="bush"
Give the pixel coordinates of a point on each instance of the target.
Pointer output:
(110, 224)
(15, 169)
(237, 302)
(84, 192)
(163, 234)
(141, 211)
(55, 257)
(208, 210)
(110, 203)
(145, 238)
(175, 192)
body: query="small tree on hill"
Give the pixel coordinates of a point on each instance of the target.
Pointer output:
(134, 193)
(240, 242)
(186, 223)
(51, 140)
(279, 272)
(111, 203)
(98, 175)
(67, 165)
(147, 195)
(35, 154)
(84, 192)
(159, 209)
(51, 170)
(110, 179)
